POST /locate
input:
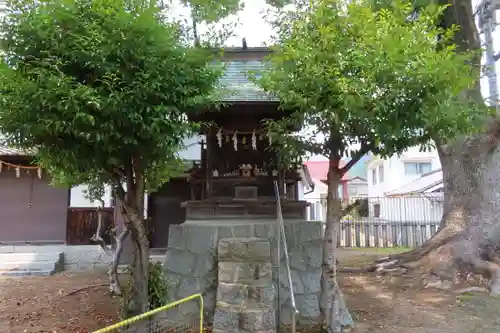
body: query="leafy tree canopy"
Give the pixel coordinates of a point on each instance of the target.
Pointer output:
(100, 90)
(210, 11)
(379, 77)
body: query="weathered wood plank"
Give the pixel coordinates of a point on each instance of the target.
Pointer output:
(82, 225)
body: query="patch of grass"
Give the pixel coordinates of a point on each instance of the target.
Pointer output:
(465, 296)
(361, 256)
(379, 250)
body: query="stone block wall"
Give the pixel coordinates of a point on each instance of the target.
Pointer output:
(245, 292)
(191, 263)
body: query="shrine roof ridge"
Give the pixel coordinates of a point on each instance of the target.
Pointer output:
(253, 49)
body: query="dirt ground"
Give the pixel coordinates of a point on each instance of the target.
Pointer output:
(382, 306)
(41, 304)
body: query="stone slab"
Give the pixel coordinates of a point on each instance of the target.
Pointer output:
(31, 256)
(242, 249)
(258, 320)
(236, 293)
(20, 273)
(226, 319)
(245, 272)
(27, 265)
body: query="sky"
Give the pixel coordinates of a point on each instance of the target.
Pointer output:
(251, 25)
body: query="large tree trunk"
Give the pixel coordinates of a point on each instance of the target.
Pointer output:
(132, 209)
(330, 304)
(468, 240)
(138, 300)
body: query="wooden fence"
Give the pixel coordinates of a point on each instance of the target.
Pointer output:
(383, 234)
(82, 225)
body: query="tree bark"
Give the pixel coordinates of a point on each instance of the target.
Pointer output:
(132, 210)
(139, 294)
(329, 300)
(115, 251)
(468, 240)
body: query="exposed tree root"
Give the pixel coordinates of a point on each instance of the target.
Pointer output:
(471, 290)
(441, 262)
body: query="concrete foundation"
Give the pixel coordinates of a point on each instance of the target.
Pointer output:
(191, 264)
(76, 257)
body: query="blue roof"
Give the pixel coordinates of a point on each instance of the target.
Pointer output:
(237, 86)
(359, 169)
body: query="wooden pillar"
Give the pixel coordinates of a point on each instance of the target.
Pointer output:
(208, 165)
(281, 182)
(200, 186)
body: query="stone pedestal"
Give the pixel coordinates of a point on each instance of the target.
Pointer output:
(245, 293)
(193, 265)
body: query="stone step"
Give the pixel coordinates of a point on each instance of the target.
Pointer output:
(244, 249)
(229, 318)
(246, 272)
(29, 257)
(154, 258)
(20, 273)
(27, 265)
(237, 293)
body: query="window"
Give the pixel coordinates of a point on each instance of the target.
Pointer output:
(381, 173)
(417, 168)
(374, 176)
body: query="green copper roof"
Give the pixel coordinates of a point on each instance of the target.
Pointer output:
(237, 85)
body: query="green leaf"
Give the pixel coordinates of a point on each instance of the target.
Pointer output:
(365, 73)
(100, 89)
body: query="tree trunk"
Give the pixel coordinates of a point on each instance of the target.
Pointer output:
(468, 241)
(138, 301)
(115, 250)
(330, 304)
(469, 235)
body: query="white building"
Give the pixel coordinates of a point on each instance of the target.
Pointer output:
(317, 200)
(353, 186)
(406, 188)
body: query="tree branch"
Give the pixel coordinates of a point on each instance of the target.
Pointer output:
(139, 184)
(114, 283)
(86, 287)
(119, 191)
(97, 237)
(365, 148)
(350, 207)
(129, 178)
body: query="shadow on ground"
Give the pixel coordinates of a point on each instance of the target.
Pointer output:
(399, 305)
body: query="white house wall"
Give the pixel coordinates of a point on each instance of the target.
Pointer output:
(405, 209)
(315, 212)
(78, 198)
(357, 188)
(394, 170)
